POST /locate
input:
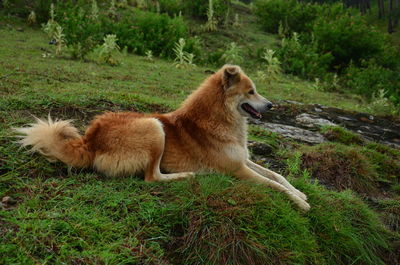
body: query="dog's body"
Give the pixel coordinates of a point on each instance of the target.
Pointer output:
(207, 133)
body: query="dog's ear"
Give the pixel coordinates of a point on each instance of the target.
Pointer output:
(231, 75)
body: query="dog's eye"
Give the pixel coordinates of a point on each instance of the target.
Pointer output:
(251, 92)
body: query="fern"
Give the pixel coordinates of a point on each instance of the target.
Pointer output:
(95, 10)
(232, 55)
(112, 10)
(273, 68)
(59, 37)
(51, 26)
(236, 22)
(32, 18)
(149, 56)
(183, 59)
(211, 24)
(108, 50)
(6, 3)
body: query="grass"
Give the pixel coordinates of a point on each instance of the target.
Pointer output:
(80, 217)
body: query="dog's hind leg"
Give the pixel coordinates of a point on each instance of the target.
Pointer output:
(276, 177)
(153, 172)
(247, 173)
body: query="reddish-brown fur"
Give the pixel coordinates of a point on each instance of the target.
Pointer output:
(207, 133)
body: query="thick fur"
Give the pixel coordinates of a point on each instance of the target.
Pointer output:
(207, 133)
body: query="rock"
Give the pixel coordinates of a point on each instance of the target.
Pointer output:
(260, 149)
(293, 102)
(295, 133)
(312, 121)
(381, 129)
(346, 118)
(7, 201)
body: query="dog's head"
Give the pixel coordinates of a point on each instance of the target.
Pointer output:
(241, 92)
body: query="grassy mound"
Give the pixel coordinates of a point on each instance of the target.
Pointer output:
(54, 215)
(362, 169)
(85, 218)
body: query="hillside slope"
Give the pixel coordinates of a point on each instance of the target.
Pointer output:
(52, 214)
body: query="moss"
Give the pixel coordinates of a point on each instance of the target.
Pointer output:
(341, 166)
(259, 134)
(341, 135)
(390, 210)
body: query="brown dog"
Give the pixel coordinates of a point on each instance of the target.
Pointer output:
(207, 133)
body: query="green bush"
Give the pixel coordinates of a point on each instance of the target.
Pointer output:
(141, 31)
(303, 59)
(22, 8)
(371, 78)
(292, 15)
(82, 33)
(347, 36)
(171, 7)
(137, 30)
(198, 8)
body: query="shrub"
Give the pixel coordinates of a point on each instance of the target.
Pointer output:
(303, 59)
(23, 8)
(347, 36)
(108, 50)
(141, 31)
(198, 8)
(371, 78)
(170, 7)
(82, 33)
(294, 16)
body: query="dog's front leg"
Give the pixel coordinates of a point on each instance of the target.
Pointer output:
(274, 176)
(246, 173)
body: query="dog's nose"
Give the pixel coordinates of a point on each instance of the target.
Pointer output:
(269, 105)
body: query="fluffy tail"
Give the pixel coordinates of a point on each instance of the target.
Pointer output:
(57, 140)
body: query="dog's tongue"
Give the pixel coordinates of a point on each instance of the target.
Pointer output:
(256, 113)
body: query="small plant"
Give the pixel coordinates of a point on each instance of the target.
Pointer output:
(123, 4)
(59, 38)
(282, 30)
(317, 84)
(32, 18)
(273, 68)
(149, 56)
(232, 55)
(112, 10)
(183, 59)
(141, 4)
(227, 17)
(108, 50)
(211, 24)
(51, 26)
(95, 10)
(6, 4)
(380, 103)
(236, 22)
(158, 8)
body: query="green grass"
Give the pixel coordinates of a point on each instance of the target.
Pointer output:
(64, 216)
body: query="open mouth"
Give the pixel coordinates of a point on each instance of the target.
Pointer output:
(250, 110)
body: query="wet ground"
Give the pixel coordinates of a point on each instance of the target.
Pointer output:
(302, 122)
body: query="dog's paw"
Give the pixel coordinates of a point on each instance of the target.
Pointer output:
(301, 195)
(302, 204)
